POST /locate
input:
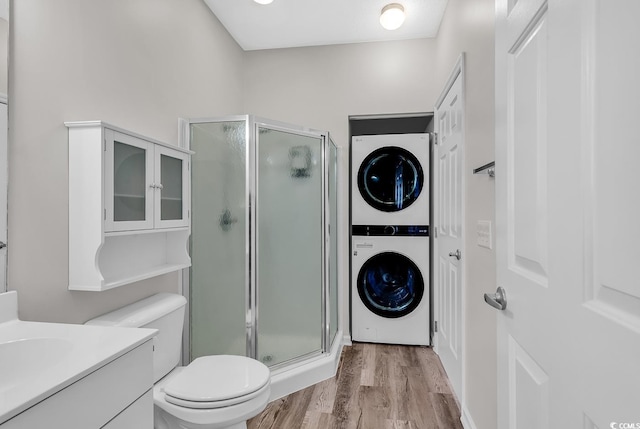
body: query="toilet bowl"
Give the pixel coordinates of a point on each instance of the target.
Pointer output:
(212, 392)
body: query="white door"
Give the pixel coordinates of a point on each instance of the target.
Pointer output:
(3, 196)
(567, 207)
(448, 220)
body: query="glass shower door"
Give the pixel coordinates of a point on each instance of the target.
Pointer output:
(289, 241)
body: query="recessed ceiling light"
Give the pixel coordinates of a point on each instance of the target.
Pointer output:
(392, 16)
(263, 1)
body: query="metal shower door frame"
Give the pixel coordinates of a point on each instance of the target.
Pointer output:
(329, 229)
(252, 123)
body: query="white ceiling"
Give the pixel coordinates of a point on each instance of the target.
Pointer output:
(294, 23)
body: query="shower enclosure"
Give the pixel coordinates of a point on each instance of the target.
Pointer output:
(263, 281)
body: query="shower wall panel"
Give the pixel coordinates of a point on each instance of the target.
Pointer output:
(218, 239)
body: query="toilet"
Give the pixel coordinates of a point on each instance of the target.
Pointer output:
(212, 392)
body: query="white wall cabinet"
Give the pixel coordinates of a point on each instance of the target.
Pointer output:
(146, 184)
(129, 206)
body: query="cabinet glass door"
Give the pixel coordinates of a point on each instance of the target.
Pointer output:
(171, 200)
(129, 185)
(129, 172)
(171, 186)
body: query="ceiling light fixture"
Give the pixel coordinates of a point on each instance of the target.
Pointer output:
(392, 16)
(263, 1)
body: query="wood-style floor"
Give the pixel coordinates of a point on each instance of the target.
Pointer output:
(376, 387)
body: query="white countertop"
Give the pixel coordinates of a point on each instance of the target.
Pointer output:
(40, 359)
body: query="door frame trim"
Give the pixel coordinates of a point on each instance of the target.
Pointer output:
(457, 71)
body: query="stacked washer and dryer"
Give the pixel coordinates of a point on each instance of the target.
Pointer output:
(390, 201)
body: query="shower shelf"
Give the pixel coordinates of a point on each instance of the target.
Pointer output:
(104, 251)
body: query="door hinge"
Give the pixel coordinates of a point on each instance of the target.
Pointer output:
(105, 214)
(435, 232)
(434, 136)
(435, 326)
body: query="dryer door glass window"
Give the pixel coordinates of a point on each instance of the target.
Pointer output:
(390, 285)
(390, 179)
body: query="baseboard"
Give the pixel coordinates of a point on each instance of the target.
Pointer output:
(467, 421)
(346, 340)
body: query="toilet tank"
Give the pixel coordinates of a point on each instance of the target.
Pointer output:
(164, 312)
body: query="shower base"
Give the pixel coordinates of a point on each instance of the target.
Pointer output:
(301, 374)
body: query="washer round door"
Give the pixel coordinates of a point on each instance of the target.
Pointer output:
(390, 179)
(390, 285)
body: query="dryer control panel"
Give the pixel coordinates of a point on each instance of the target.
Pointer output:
(390, 230)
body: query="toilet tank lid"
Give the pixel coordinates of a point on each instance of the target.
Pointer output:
(142, 312)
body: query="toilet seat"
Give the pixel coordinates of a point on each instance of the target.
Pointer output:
(218, 381)
(214, 418)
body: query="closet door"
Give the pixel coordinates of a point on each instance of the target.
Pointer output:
(567, 208)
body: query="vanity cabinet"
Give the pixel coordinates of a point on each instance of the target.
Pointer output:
(116, 395)
(129, 206)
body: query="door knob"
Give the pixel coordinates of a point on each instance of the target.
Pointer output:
(456, 254)
(3, 245)
(497, 300)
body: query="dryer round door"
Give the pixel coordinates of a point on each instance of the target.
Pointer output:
(390, 285)
(390, 179)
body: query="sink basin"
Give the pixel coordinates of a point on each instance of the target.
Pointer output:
(25, 359)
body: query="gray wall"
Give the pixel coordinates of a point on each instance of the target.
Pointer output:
(137, 64)
(320, 87)
(469, 26)
(142, 64)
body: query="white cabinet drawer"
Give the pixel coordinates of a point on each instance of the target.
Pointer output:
(96, 399)
(139, 415)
